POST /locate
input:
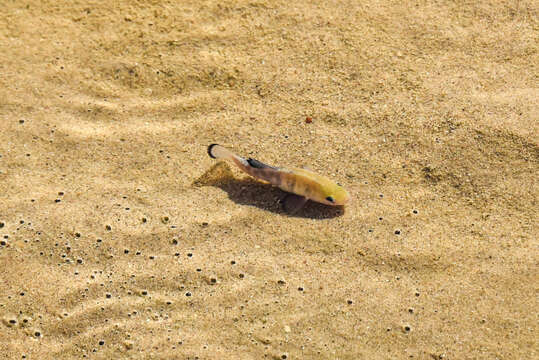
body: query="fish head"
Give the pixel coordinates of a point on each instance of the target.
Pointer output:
(333, 194)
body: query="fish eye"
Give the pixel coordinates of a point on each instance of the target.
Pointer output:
(330, 199)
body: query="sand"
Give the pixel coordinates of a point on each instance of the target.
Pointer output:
(121, 238)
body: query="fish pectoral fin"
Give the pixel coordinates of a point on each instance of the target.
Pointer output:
(292, 203)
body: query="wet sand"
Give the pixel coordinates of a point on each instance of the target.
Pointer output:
(121, 238)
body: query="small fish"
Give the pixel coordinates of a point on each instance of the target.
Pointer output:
(301, 184)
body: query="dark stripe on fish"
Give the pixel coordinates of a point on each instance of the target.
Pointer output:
(259, 165)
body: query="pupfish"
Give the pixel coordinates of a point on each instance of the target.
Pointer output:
(301, 184)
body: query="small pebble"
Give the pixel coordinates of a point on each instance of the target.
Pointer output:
(287, 329)
(407, 328)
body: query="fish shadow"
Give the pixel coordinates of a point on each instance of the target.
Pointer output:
(251, 192)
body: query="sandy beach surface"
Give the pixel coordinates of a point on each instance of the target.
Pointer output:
(121, 238)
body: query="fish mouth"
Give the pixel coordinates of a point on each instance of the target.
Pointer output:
(345, 200)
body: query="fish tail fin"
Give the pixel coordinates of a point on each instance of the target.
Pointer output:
(217, 151)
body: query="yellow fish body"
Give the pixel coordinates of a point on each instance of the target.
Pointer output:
(302, 183)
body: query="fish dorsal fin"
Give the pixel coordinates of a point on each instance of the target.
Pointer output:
(259, 165)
